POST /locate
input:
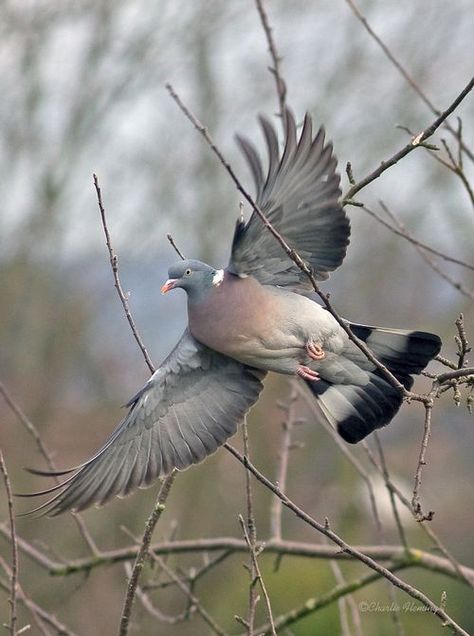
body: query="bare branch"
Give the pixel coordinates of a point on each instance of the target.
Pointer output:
(14, 548)
(404, 233)
(413, 557)
(407, 76)
(452, 375)
(326, 530)
(250, 535)
(391, 493)
(28, 424)
(344, 602)
(40, 615)
(449, 279)
(118, 285)
(187, 592)
(175, 247)
(426, 529)
(415, 143)
(312, 605)
(345, 450)
(147, 603)
(283, 455)
(280, 84)
(143, 552)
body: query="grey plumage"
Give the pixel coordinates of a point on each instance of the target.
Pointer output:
(358, 403)
(187, 409)
(246, 320)
(299, 196)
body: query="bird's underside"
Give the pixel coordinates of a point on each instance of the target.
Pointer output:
(267, 327)
(247, 320)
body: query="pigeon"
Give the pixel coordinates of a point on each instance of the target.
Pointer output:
(253, 317)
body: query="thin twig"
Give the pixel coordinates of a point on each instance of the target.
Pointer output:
(280, 83)
(326, 530)
(455, 166)
(409, 237)
(39, 614)
(420, 516)
(315, 604)
(175, 247)
(283, 455)
(343, 447)
(147, 603)
(250, 536)
(415, 143)
(14, 547)
(143, 552)
(187, 592)
(462, 342)
(194, 575)
(118, 285)
(392, 592)
(457, 567)
(409, 79)
(28, 424)
(449, 279)
(344, 601)
(391, 493)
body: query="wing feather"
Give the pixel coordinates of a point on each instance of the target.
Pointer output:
(300, 197)
(187, 409)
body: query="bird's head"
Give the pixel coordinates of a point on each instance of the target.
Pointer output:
(195, 277)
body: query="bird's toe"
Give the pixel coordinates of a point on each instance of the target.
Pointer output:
(315, 351)
(306, 373)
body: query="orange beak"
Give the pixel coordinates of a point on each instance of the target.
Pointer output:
(170, 284)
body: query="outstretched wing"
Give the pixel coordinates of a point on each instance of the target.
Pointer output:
(187, 409)
(299, 196)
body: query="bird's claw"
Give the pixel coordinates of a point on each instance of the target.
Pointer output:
(315, 351)
(307, 374)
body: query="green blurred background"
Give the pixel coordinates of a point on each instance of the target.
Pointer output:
(82, 87)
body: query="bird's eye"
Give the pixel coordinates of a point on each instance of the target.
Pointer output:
(187, 272)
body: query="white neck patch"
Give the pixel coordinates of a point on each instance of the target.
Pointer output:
(218, 277)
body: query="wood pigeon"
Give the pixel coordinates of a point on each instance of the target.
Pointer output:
(248, 319)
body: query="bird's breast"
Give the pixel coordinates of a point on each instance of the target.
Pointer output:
(233, 318)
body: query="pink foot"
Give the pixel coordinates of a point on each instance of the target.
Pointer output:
(315, 351)
(307, 374)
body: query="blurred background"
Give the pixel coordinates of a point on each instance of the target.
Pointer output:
(82, 87)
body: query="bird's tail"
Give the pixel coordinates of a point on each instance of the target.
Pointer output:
(354, 396)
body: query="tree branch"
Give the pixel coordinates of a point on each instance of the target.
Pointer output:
(416, 142)
(413, 557)
(143, 552)
(118, 285)
(280, 84)
(14, 548)
(325, 529)
(406, 235)
(405, 74)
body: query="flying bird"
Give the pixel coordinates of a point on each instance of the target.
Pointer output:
(250, 318)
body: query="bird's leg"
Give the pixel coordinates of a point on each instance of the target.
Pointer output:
(307, 374)
(315, 351)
